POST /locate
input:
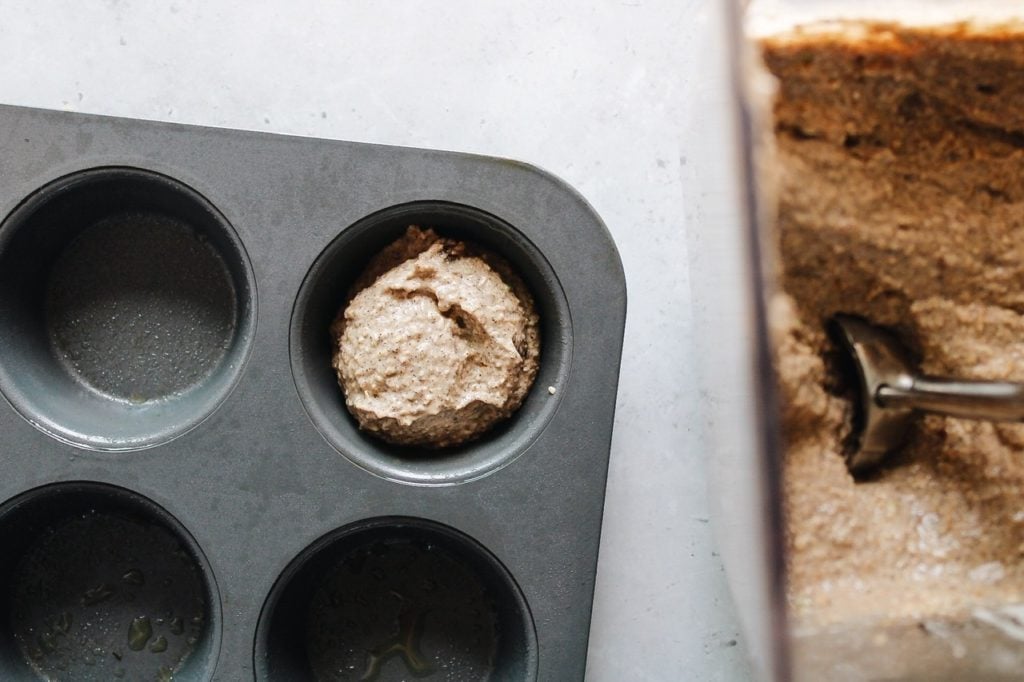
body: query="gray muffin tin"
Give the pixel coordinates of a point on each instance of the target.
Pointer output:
(180, 473)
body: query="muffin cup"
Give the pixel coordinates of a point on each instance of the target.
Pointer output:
(324, 293)
(389, 598)
(125, 308)
(102, 584)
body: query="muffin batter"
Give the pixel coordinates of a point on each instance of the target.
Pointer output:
(437, 344)
(900, 168)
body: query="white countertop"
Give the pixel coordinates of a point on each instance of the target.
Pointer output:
(592, 90)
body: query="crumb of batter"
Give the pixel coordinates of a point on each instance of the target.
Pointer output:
(438, 342)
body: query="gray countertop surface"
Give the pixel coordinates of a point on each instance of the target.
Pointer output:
(594, 91)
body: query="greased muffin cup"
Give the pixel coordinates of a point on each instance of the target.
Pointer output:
(171, 411)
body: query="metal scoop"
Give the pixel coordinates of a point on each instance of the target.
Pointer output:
(892, 392)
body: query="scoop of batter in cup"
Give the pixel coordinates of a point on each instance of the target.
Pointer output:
(438, 342)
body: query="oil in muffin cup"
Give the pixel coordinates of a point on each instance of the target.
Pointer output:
(391, 598)
(102, 584)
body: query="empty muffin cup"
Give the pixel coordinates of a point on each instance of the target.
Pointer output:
(325, 291)
(393, 599)
(102, 584)
(126, 307)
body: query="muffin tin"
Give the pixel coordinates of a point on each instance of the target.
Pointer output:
(182, 480)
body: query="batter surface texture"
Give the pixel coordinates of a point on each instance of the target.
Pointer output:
(438, 343)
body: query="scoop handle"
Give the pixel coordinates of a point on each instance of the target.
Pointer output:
(990, 400)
